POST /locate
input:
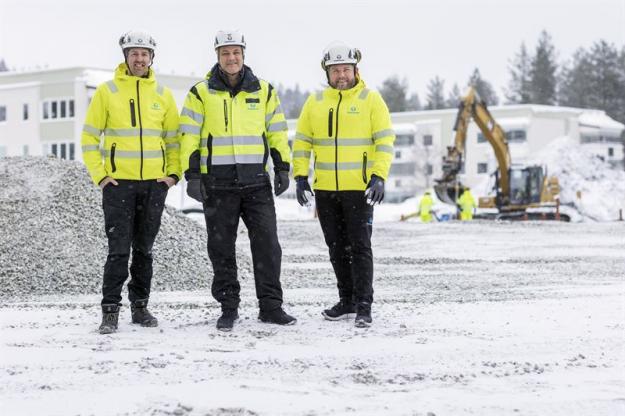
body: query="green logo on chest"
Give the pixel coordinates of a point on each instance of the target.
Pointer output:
(156, 106)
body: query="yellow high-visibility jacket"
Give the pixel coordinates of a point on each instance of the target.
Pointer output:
(467, 205)
(425, 208)
(350, 136)
(228, 134)
(139, 120)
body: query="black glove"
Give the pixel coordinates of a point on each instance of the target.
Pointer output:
(301, 189)
(194, 189)
(280, 182)
(375, 190)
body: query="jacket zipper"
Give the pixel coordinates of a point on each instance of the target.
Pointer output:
(226, 114)
(133, 118)
(336, 142)
(140, 131)
(364, 167)
(163, 152)
(113, 157)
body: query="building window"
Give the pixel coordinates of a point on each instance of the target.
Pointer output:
(427, 140)
(25, 150)
(481, 138)
(58, 109)
(610, 151)
(404, 140)
(62, 150)
(3, 113)
(398, 154)
(429, 169)
(3, 151)
(397, 183)
(25, 112)
(516, 136)
(482, 168)
(403, 168)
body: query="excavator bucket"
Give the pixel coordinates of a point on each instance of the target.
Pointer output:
(448, 193)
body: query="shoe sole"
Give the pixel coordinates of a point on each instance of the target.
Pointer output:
(293, 322)
(339, 318)
(107, 331)
(149, 324)
(362, 324)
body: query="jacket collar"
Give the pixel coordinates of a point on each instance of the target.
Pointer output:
(248, 82)
(122, 73)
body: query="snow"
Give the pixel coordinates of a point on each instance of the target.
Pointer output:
(598, 118)
(601, 188)
(482, 318)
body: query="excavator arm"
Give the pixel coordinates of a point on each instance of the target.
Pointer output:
(472, 107)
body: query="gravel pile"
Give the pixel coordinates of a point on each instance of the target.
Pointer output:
(52, 238)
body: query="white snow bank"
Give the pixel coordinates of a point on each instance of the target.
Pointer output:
(602, 188)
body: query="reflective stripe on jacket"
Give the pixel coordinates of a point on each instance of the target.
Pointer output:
(139, 121)
(229, 133)
(349, 135)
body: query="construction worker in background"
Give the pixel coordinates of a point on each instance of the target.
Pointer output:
(139, 121)
(230, 124)
(425, 207)
(347, 128)
(467, 205)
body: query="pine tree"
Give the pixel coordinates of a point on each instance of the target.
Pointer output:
(518, 91)
(453, 99)
(291, 100)
(483, 88)
(543, 72)
(435, 94)
(605, 80)
(575, 87)
(414, 103)
(394, 93)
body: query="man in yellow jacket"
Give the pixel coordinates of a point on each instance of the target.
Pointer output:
(425, 207)
(230, 124)
(131, 149)
(467, 205)
(347, 130)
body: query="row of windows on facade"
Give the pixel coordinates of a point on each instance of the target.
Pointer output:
(513, 136)
(50, 110)
(60, 150)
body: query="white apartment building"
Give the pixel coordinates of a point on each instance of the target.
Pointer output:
(42, 112)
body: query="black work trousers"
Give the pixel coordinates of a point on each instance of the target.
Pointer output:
(222, 209)
(132, 218)
(347, 221)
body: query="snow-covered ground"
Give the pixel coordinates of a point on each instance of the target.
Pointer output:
(482, 318)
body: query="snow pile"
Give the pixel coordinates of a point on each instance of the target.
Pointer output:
(602, 188)
(52, 236)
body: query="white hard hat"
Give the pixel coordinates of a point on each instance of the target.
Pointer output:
(340, 53)
(229, 38)
(137, 39)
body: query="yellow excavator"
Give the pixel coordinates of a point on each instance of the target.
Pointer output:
(520, 192)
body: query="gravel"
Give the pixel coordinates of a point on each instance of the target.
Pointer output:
(52, 238)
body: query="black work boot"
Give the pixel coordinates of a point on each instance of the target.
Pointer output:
(227, 319)
(363, 315)
(141, 314)
(276, 316)
(110, 316)
(345, 309)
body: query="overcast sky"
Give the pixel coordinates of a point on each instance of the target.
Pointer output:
(415, 39)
